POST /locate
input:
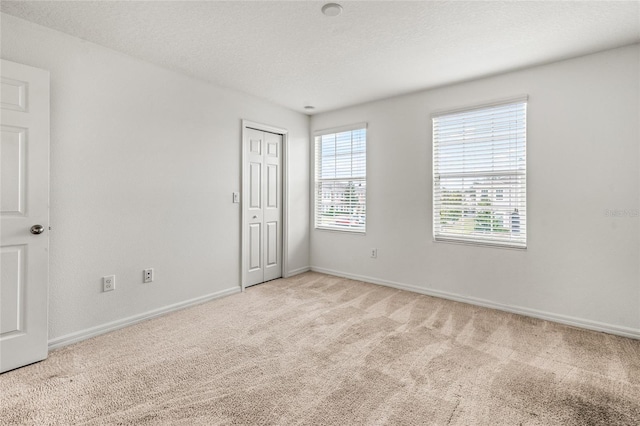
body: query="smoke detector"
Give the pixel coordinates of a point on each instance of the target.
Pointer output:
(332, 9)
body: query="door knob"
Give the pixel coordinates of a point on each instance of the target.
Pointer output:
(37, 229)
(255, 217)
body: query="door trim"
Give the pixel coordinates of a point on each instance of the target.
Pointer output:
(246, 124)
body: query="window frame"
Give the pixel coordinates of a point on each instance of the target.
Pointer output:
(317, 135)
(521, 218)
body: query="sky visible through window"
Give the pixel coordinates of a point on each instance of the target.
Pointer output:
(343, 155)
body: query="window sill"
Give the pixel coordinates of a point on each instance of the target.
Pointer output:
(489, 244)
(341, 231)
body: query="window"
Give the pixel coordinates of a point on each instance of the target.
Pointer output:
(341, 179)
(479, 175)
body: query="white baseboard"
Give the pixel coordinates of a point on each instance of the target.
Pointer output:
(78, 336)
(562, 319)
(298, 271)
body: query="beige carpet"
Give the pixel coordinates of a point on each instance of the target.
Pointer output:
(316, 349)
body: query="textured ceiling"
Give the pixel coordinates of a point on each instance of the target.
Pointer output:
(289, 53)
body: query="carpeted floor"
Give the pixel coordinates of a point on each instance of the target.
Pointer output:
(316, 349)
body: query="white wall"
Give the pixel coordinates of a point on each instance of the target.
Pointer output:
(143, 165)
(583, 157)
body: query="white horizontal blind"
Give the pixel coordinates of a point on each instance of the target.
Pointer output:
(479, 175)
(341, 180)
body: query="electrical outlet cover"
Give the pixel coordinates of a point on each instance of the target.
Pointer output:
(109, 283)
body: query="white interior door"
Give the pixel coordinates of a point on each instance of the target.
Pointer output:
(262, 206)
(24, 214)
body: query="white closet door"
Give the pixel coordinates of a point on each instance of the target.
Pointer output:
(263, 206)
